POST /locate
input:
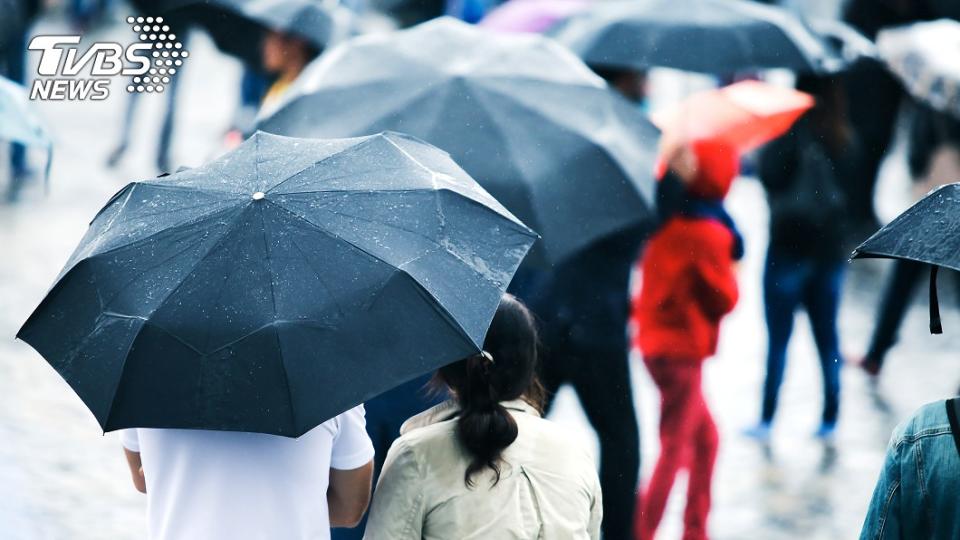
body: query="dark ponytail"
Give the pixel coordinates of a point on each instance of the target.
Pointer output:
(505, 371)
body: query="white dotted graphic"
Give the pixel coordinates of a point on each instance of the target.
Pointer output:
(166, 49)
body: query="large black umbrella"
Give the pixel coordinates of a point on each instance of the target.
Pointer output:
(523, 116)
(708, 36)
(927, 232)
(277, 286)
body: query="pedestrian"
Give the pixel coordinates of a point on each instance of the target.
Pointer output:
(804, 174)
(873, 113)
(933, 157)
(916, 494)
(284, 57)
(485, 464)
(688, 285)
(210, 485)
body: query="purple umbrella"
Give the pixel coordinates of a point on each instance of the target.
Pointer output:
(531, 15)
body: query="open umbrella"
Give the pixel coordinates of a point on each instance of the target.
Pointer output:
(927, 232)
(530, 15)
(18, 121)
(926, 57)
(522, 115)
(277, 286)
(708, 36)
(745, 115)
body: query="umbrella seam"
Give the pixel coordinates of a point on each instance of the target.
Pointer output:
(365, 141)
(276, 330)
(398, 267)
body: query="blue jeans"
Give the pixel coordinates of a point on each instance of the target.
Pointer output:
(789, 283)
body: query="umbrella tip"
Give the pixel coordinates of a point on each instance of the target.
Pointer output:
(258, 195)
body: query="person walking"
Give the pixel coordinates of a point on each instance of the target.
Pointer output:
(688, 285)
(933, 157)
(916, 493)
(210, 485)
(485, 464)
(803, 173)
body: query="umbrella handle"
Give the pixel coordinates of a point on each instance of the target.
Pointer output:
(935, 326)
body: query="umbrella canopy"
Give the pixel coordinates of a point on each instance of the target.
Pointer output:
(277, 286)
(538, 130)
(18, 121)
(708, 36)
(745, 115)
(926, 57)
(927, 232)
(530, 15)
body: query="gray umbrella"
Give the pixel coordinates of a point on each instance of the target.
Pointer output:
(522, 115)
(277, 286)
(708, 36)
(926, 58)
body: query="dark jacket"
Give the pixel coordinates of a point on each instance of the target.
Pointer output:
(808, 194)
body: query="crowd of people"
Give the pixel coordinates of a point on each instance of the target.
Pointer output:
(474, 457)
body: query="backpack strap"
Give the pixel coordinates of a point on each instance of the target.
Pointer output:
(953, 413)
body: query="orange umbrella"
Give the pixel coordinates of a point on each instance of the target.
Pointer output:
(745, 115)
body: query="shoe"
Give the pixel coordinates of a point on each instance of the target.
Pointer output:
(760, 432)
(869, 366)
(826, 432)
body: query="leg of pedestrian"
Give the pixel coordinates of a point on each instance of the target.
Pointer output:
(602, 382)
(703, 458)
(822, 302)
(782, 285)
(900, 287)
(680, 415)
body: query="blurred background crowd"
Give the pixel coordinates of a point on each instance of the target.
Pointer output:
(884, 130)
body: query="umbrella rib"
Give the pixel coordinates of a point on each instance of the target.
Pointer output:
(276, 330)
(398, 267)
(322, 281)
(147, 238)
(361, 144)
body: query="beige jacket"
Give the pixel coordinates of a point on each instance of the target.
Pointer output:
(548, 487)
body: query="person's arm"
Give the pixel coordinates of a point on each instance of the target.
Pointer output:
(596, 513)
(349, 495)
(351, 470)
(883, 517)
(131, 450)
(714, 272)
(399, 503)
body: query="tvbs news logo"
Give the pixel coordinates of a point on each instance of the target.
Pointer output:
(151, 63)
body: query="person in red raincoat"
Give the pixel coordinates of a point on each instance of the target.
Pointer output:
(688, 285)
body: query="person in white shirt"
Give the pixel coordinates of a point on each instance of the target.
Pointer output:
(211, 485)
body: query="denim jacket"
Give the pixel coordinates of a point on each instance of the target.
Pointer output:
(918, 493)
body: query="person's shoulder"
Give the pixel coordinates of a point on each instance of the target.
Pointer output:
(564, 446)
(927, 421)
(683, 232)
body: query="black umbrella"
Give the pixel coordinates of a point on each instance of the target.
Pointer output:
(927, 232)
(708, 36)
(277, 286)
(523, 116)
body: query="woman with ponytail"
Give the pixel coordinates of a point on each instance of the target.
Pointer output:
(485, 464)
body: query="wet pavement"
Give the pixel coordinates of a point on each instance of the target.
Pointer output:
(59, 478)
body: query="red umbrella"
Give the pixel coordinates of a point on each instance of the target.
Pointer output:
(744, 115)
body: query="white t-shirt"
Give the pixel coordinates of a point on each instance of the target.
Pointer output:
(211, 485)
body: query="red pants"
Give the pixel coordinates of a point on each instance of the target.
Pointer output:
(688, 439)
